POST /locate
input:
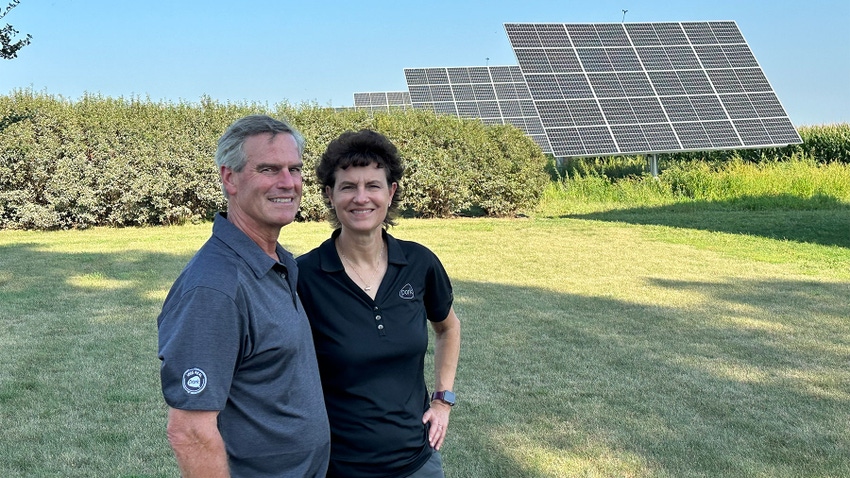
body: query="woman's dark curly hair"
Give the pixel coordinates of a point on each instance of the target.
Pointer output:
(361, 149)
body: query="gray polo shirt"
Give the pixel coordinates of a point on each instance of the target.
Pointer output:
(233, 337)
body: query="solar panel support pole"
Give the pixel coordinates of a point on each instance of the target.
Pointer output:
(653, 165)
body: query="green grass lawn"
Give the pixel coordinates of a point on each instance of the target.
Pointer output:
(645, 343)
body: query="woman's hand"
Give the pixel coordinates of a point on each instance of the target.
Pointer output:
(438, 418)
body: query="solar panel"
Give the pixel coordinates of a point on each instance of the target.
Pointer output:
(382, 101)
(632, 88)
(492, 94)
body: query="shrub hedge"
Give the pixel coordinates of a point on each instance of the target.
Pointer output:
(134, 162)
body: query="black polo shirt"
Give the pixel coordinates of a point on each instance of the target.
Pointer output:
(371, 355)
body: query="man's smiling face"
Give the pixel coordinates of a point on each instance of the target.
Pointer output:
(266, 194)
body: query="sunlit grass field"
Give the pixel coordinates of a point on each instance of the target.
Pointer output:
(646, 343)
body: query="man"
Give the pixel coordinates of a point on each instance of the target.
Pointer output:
(239, 370)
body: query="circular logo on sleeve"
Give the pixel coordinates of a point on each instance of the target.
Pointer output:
(194, 381)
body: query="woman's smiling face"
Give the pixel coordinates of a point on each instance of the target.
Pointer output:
(361, 197)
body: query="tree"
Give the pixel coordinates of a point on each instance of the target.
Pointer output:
(8, 49)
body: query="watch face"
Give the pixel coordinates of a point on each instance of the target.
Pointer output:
(449, 397)
(446, 395)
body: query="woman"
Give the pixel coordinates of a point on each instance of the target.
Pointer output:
(369, 297)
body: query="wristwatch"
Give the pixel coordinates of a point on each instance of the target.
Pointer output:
(446, 396)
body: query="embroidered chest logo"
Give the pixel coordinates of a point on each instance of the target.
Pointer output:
(194, 381)
(406, 292)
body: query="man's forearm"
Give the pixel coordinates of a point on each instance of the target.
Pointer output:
(197, 444)
(201, 461)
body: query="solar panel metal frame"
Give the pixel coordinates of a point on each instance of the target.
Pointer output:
(643, 88)
(491, 94)
(382, 100)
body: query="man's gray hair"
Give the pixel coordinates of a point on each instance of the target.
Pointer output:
(230, 152)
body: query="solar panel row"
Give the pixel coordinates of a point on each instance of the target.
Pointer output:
(632, 88)
(493, 94)
(382, 101)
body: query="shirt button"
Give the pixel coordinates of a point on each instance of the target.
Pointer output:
(380, 327)
(377, 317)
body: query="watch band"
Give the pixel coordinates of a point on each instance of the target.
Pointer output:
(446, 396)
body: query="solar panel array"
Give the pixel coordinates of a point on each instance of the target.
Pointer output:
(608, 89)
(382, 101)
(493, 94)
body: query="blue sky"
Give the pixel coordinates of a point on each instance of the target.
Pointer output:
(324, 51)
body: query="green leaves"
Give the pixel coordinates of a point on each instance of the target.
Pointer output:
(8, 47)
(130, 162)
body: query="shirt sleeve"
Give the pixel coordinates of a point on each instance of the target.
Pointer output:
(199, 343)
(439, 295)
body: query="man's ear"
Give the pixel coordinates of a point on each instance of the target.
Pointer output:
(227, 180)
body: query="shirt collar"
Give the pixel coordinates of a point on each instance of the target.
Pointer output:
(330, 261)
(248, 250)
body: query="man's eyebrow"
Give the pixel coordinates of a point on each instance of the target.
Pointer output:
(266, 165)
(300, 164)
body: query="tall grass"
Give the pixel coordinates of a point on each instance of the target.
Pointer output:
(798, 183)
(800, 178)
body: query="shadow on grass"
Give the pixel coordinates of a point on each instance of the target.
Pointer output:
(752, 383)
(79, 390)
(819, 220)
